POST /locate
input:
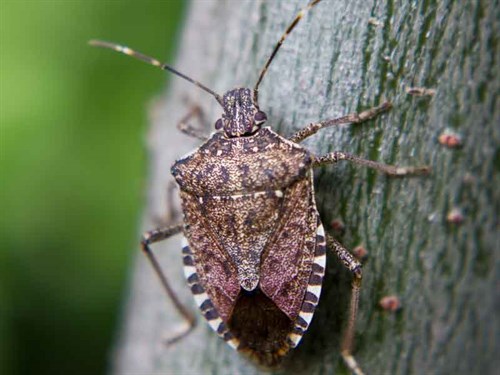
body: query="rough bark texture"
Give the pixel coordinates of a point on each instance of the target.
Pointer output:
(336, 62)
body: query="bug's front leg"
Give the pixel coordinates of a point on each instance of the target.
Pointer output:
(185, 127)
(391, 170)
(158, 235)
(352, 118)
(354, 266)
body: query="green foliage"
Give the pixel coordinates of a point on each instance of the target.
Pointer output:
(72, 160)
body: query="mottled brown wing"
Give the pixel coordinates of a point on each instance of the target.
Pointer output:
(242, 225)
(287, 261)
(214, 267)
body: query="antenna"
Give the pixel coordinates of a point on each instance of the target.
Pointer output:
(152, 61)
(278, 45)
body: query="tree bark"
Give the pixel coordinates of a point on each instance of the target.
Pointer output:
(346, 56)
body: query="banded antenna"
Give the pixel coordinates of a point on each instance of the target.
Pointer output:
(152, 61)
(288, 30)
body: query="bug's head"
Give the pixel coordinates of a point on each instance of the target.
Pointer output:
(241, 115)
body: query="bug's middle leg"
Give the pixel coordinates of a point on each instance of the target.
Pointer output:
(158, 235)
(354, 266)
(353, 118)
(391, 170)
(171, 214)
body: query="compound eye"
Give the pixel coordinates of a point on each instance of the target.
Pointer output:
(260, 117)
(218, 124)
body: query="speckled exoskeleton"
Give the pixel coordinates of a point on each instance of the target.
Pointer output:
(254, 247)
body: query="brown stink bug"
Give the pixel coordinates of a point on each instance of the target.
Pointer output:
(255, 248)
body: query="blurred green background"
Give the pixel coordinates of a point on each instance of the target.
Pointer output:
(73, 121)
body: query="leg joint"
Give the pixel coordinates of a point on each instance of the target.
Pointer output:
(358, 272)
(145, 238)
(148, 238)
(157, 235)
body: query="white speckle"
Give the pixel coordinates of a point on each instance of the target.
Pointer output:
(200, 199)
(255, 149)
(320, 260)
(233, 343)
(401, 171)
(257, 194)
(188, 271)
(375, 22)
(314, 289)
(200, 298)
(307, 316)
(219, 152)
(295, 338)
(432, 217)
(320, 231)
(215, 323)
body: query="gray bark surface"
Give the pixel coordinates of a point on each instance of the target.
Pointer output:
(336, 62)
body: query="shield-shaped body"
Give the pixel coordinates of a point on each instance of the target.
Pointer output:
(255, 251)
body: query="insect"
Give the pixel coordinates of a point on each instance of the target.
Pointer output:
(254, 248)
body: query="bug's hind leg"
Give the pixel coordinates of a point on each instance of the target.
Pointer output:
(391, 170)
(353, 118)
(158, 235)
(354, 266)
(185, 127)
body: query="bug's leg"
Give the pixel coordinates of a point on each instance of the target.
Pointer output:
(158, 235)
(354, 266)
(185, 127)
(353, 118)
(171, 214)
(391, 170)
